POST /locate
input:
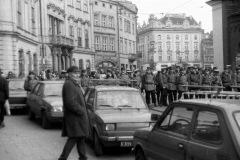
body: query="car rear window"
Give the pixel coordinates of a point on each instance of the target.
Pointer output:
(54, 89)
(237, 118)
(14, 85)
(120, 99)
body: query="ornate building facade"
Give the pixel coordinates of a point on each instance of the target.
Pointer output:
(175, 38)
(207, 50)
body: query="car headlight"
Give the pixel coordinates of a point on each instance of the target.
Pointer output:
(57, 109)
(151, 125)
(110, 127)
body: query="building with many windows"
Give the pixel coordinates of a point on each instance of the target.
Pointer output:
(38, 35)
(207, 50)
(175, 38)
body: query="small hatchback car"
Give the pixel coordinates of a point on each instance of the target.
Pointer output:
(115, 113)
(192, 129)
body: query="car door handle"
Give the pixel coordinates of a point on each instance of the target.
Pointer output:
(180, 146)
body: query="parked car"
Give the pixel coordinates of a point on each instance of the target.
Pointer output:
(17, 94)
(115, 112)
(192, 129)
(45, 101)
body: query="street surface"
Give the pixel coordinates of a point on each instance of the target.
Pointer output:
(22, 139)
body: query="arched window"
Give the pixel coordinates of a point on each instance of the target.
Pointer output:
(81, 64)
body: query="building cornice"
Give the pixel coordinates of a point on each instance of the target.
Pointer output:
(170, 30)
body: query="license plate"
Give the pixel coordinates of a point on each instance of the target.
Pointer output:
(126, 144)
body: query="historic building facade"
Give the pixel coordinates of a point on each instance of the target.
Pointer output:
(226, 32)
(127, 22)
(175, 38)
(47, 34)
(207, 50)
(19, 39)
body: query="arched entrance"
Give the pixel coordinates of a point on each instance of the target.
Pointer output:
(104, 65)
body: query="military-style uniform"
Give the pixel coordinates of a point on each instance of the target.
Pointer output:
(237, 81)
(206, 81)
(163, 88)
(149, 86)
(182, 80)
(216, 81)
(226, 81)
(172, 87)
(194, 79)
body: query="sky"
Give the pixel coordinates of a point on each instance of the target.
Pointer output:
(197, 8)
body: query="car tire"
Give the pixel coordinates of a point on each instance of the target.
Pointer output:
(31, 115)
(139, 155)
(44, 121)
(98, 148)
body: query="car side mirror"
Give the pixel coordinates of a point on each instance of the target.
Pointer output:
(155, 117)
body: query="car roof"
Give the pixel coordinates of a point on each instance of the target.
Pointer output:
(50, 82)
(15, 79)
(121, 88)
(226, 104)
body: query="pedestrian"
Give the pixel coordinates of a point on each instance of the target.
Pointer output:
(158, 86)
(226, 80)
(163, 87)
(75, 119)
(172, 87)
(206, 81)
(182, 80)
(194, 79)
(216, 79)
(149, 86)
(84, 79)
(4, 96)
(30, 82)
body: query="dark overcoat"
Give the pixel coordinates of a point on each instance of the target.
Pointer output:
(75, 120)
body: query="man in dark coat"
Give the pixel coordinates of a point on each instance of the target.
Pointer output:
(4, 95)
(75, 121)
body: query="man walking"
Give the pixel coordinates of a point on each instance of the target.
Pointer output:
(4, 95)
(75, 121)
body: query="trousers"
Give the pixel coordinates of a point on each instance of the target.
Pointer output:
(2, 112)
(80, 141)
(152, 93)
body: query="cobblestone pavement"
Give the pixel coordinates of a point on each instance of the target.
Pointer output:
(22, 139)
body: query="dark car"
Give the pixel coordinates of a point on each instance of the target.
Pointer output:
(45, 101)
(115, 113)
(192, 130)
(17, 94)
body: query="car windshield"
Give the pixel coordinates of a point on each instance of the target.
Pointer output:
(53, 89)
(237, 118)
(15, 85)
(120, 99)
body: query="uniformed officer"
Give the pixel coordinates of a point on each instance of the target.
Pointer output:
(194, 79)
(206, 80)
(226, 80)
(158, 86)
(237, 79)
(182, 80)
(216, 79)
(163, 87)
(172, 87)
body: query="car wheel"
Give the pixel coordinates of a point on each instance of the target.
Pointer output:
(98, 148)
(31, 115)
(139, 155)
(45, 123)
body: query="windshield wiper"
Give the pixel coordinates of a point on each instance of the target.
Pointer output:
(106, 105)
(125, 106)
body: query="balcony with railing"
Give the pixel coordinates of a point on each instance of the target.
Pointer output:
(59, 40)
(132, 57)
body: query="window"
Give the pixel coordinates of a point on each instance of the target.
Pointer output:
(79, 35)
(186, 55)
(85, 6)
(127, 26)
(103, 4)
(169, 57)
(26, 17)
(159, 37)
(168, 37)
(97, 43)
(177, 121)
(195, 55)
(96, 3)
(19, 13)
(112, 44)
(71, 31)
(70, 2)
(195, 45)
(168, 45)
(120, 24)
(111, 22)
(86, 39)
(177, 56)
(81, 64)
(133, 28)
(186, 37)
(96, 19)
(207, 127)
(110, 6)
(177, 46)
(177, 37)
(104, 43)
(159, 56)
(133, 48)
(78, 4)
(186, 46)
(159, 46)
(130, 47)
(126, 51)
(195, 37)
(104, 21)
(121, 46)
(33, 21)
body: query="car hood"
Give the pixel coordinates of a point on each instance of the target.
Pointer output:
(125, 115)
(142, 133)
(54, 101)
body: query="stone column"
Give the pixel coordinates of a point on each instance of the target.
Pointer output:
(21, 63)
(67, 61)
(70, 57)
(65, 57)
(59, 54)
(54, 59)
